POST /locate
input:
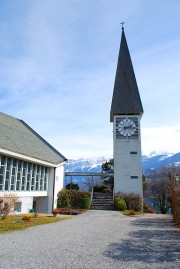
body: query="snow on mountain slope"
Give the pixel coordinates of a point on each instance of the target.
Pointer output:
(85, 165)
(153, 161)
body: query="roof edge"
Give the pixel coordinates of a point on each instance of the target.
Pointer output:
(26, 157)
(43, 140)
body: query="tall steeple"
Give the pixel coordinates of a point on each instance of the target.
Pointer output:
(126, 99)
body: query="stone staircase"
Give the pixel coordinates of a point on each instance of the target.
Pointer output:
(102, 201)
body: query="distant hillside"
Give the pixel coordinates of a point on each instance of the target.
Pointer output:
(157, 162)
(85, 165)
(149, 163)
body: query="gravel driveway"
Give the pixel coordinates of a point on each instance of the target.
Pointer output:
(96, 239)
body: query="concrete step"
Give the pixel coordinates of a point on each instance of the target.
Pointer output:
(102, 207)
(102, 194)
(102, 201)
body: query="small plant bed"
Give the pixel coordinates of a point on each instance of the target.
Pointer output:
(131, 213)
(67, 211)
(20, 222)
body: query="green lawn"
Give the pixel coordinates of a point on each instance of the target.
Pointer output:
(12, 223)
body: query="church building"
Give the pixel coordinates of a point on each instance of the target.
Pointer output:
(30, 167)
(126, 112)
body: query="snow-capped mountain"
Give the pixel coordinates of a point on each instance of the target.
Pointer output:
(160, 161)
(153, 161)
(85, 165)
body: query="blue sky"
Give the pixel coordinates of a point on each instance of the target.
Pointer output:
(57, 68)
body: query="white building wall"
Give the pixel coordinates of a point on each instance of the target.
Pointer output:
(26, 199)
(56, 183)
(59, 182)
(51, 189)
(26, 204)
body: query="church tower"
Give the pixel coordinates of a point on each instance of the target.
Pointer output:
(126, 112)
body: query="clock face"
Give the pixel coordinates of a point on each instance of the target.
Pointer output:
(126, 127)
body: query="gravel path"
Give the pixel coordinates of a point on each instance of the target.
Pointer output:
(96, 239)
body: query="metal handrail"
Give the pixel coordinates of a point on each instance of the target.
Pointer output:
(92, 194)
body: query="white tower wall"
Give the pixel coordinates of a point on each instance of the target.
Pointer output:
(127, 162)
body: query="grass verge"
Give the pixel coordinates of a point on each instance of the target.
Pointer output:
(12, 223)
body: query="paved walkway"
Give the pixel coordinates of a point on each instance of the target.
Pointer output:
(96, 239)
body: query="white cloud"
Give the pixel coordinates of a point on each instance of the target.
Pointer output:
(58, 62)
(161, 139)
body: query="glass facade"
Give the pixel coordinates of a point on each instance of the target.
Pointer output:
(18, 175)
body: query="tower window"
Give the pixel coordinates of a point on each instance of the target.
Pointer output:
(133, 152)
(134, 177)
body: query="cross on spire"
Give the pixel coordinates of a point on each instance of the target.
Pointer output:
(122, 24)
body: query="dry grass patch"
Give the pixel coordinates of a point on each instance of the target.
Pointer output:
(131, 213)
(12, 223)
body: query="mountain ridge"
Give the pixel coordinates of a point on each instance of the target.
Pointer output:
(149, 162)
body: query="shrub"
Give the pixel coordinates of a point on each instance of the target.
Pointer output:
(86, 203)
(63, 199)
(133, 200)
(99, 188)
(120, 204)
(72, 198)
(132, 212)
(72, 186)
(55, 212)
(107, 190)
(27, 217)
(148, 209)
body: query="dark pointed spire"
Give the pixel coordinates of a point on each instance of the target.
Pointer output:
(126, 99)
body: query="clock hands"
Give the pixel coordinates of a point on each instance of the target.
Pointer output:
(128, 127)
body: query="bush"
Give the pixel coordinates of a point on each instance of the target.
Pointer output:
(63, 199)
(27, 218)
(72, 186)
(120, 204)
(107, 190)
(55, 212)
(132, 212)
(86, 203)
(133, 200)
(99, 188)
(72, 198)
(148, 209)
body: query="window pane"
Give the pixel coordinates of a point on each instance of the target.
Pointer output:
(1, 179)
(12, 187)
(19, 165)
(6, 185)
(17, 207)
(2, 170)
(27, 186)
(13, 171)
(17, 185)
(3, 160)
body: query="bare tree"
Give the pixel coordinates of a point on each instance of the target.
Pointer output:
(7, 202)
(161, 189)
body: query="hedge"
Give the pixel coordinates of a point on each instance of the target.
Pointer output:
(72, 199)
(120, 204)
(133, 200)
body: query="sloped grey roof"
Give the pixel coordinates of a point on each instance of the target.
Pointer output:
(18, 137)
(126, 98)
